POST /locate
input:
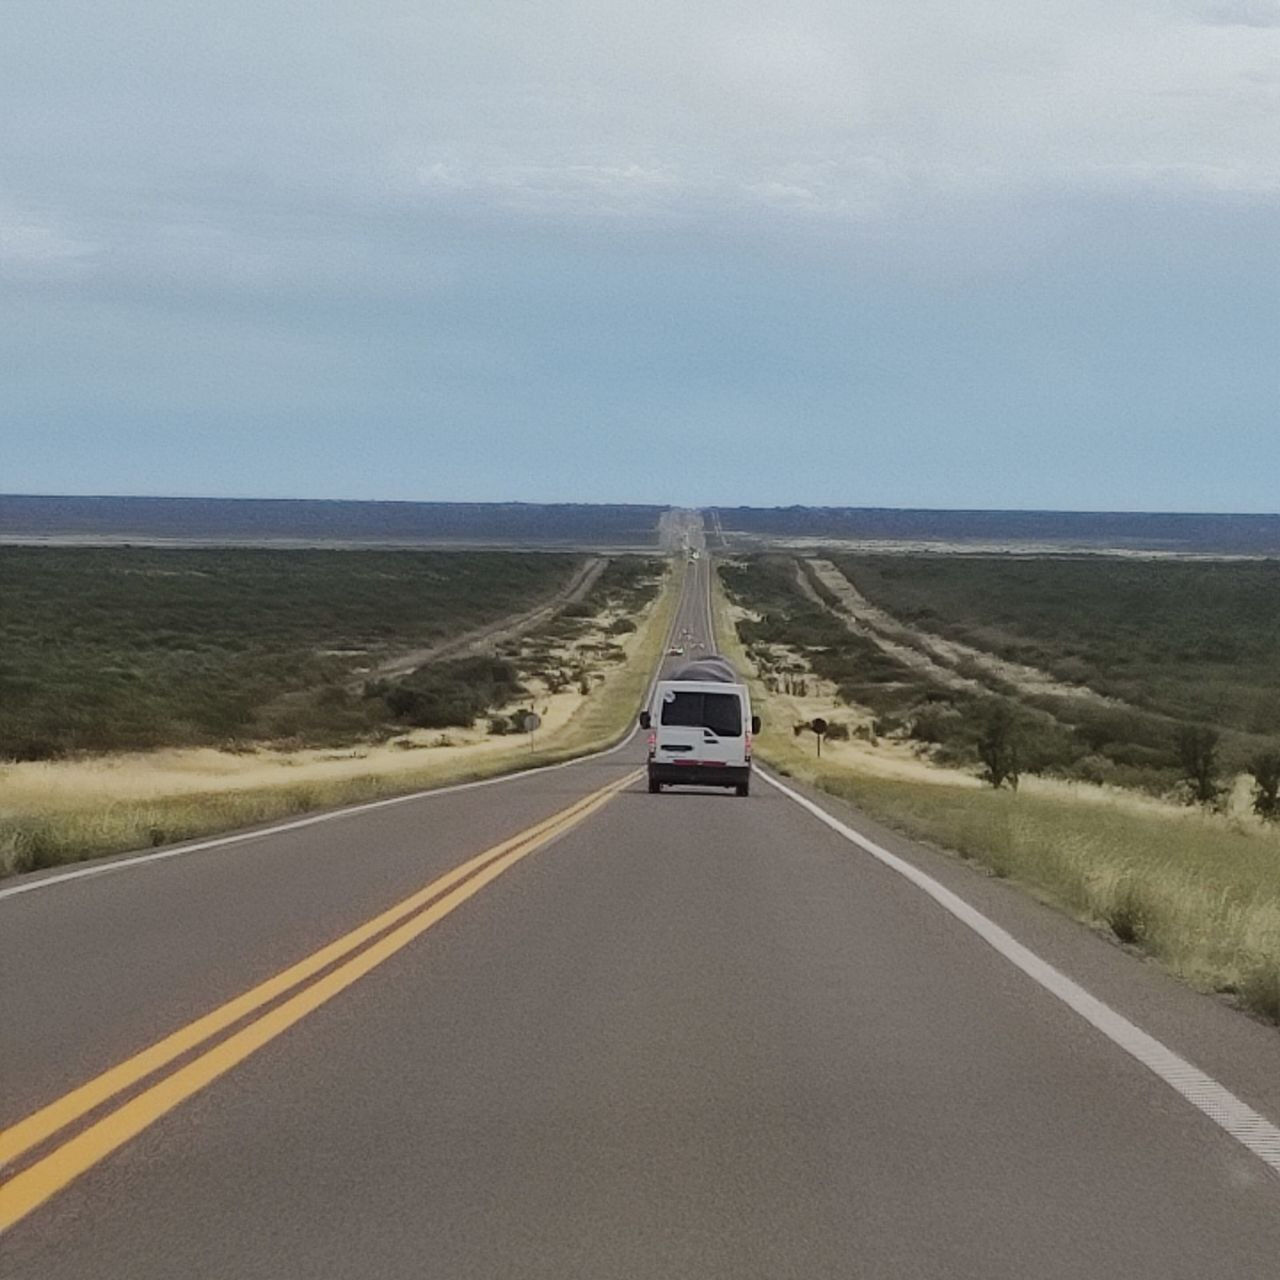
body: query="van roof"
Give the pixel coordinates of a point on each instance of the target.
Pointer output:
(712, 667)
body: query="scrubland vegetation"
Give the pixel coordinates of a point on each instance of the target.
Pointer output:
(348, 737)
(107, 649)
(1193, 640)
(1178, 661)
(1167, 864)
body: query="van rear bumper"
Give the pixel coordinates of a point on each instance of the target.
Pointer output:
(699, 775)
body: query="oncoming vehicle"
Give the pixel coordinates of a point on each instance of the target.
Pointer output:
(700, 728)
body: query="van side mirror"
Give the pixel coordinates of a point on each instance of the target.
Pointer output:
(644, 719)
(755, 725)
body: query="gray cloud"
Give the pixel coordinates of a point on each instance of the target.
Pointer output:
(260, 136)
(1243, 13)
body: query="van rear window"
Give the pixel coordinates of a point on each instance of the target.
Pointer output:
(719, 712)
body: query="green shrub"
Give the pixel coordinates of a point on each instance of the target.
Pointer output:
(1047, 746)
(936, 724)
(999, 747)
(1260, 991)
(1197, 747)
(1265, 768)
(1094, 768)
(453, 693)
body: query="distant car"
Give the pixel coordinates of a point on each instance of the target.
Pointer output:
(676, 651)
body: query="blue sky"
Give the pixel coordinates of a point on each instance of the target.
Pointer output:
(855, 253)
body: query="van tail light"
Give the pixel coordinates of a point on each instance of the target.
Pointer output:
(653, 742)
(748, 738)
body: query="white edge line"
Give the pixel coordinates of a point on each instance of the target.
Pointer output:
(160, 855)
(1228, 1112)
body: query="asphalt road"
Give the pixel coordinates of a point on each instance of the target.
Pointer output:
(687, 1035)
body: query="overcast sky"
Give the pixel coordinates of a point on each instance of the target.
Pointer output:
(855, 252)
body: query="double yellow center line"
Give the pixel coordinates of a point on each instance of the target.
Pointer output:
(340, 964)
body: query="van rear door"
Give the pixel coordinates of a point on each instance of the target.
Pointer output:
(699, 725)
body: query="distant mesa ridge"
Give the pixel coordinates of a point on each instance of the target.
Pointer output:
(323, 520)
(1223, 533)
(314, 520)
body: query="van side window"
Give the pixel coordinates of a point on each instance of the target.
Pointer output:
(719, 712)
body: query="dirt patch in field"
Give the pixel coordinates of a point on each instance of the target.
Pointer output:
(486, 638)
(861, 623)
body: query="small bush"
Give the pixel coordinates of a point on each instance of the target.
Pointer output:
(1197, 747)
(1260, 991)
(1096, 769)
(1129, 914)
(998, 747)
(332, 696)
(959, 753)
(934, 724)
(1046, 746)
(1265, 768)
(453, 693)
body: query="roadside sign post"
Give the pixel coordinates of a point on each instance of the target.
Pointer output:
(819, 727)
(529, 723)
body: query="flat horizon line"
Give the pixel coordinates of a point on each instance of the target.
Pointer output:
(668, 506)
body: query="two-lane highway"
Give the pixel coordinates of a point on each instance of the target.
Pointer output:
(555, 1026)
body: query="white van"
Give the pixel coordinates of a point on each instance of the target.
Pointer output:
(700, 728)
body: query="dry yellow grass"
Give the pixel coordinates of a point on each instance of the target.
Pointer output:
(60, 811)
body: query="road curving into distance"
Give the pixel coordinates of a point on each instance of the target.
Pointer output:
(555, 1026)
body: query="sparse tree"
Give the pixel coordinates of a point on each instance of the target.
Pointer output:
(1197, 746)
(998, 748)
(1265, 768)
